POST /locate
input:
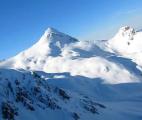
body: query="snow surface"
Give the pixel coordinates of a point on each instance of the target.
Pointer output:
(93, 74)
(127, 42)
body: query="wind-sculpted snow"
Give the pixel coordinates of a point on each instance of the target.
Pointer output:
(60, 77)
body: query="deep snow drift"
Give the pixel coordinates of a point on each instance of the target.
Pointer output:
(61, 77)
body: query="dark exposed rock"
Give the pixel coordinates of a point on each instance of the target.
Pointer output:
(23, 97)
(91, 106)
(17, 82)
(75, 116)
(49, 102)
(10, 87)
(63, 94)
(8, 111)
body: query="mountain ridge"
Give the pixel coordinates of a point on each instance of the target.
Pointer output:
(48, 54)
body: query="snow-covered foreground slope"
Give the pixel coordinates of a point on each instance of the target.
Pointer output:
(38, 95)
(61, 77)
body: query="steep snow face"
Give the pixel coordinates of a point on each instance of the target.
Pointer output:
(127, 42)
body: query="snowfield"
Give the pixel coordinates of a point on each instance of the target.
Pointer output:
(61, 77)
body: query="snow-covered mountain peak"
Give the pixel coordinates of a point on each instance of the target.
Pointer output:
(53, 35)
(124, 40)
(127, 29)
(60, 77)
(50, 44)
(60, 73)
(57, 52)
(51, 30)
(127, 42)
(127, 32)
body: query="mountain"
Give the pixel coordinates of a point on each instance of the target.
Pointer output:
(127, 42)
(50, 44)
(56, 52)
(60, 77)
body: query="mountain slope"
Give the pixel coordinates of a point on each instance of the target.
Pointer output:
(127, 42)
(38, 95)
(29, 92)
(71, 54)
(50, 44)
(61, 77)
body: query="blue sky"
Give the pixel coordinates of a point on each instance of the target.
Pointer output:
(22, 22)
